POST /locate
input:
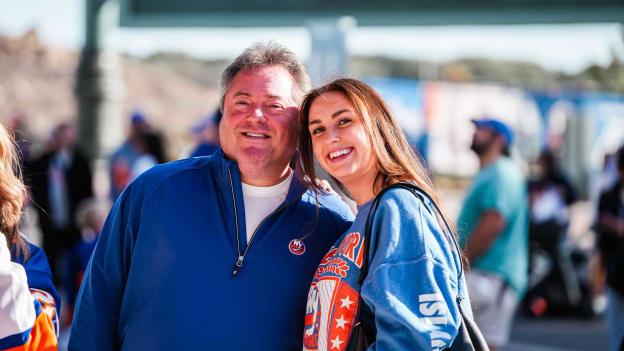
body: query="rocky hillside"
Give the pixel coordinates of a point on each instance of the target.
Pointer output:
(38, 85)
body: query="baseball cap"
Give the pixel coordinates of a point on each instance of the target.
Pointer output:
(498, 126)
(137, 118)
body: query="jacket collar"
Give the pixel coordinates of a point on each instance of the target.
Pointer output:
(223, 166)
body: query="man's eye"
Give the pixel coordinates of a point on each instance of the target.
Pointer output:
(276, 106)
(241, 103)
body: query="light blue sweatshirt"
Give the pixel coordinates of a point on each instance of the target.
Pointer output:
(411, 287)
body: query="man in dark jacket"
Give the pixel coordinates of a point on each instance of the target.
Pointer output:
(60, 180)
(610, 225)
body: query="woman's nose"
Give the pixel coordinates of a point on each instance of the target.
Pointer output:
(332, 135)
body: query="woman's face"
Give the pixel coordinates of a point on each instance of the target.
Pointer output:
(339, 139)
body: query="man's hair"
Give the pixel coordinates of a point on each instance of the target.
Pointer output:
(506, 150)
(263, 55)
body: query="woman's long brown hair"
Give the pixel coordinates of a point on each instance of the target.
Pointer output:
(394, 156)
(12, 194)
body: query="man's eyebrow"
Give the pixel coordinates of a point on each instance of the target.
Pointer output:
(241, 93)
(334, 115)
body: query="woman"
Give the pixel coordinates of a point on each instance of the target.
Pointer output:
(28, 317)
(414, 279)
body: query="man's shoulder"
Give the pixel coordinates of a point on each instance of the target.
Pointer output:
(154, 177)
(502, 170)
(329, 204)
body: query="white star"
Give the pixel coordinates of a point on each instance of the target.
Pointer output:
(346, 302)
(341, 322)
(336, 343)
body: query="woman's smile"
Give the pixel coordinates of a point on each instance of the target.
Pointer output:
(339, 139)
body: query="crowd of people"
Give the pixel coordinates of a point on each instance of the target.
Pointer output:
(241, 246)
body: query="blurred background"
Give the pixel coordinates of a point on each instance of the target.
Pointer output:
(117, 86)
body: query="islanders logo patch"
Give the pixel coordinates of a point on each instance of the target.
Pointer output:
(297, 247)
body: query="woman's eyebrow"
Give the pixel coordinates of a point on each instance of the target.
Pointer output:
(334, 115)
(338, 113)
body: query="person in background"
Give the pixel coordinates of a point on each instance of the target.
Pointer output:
(141, 151)
(414, 283)
(550, 196)
(550, 193)
(60, 180)
(28, 300)
(207, 135)
(493, 230)
(90, 217)
(610, 229)
(217, 252)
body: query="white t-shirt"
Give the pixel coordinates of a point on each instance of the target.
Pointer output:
(260, 201)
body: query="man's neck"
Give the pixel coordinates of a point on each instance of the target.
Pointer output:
(489, 158)
(265, 179)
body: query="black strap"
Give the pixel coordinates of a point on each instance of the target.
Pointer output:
(418, 192)
(360, 332)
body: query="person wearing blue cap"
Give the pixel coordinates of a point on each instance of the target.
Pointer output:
(207, 134)
(493, 230)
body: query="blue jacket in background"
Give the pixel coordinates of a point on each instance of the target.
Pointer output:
(39, 278)
(411, 288)
(160, 277)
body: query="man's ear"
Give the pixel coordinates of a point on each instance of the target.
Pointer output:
(501, 141)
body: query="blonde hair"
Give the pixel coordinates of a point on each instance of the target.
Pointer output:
(12, 193)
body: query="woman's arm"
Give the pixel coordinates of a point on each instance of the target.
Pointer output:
(25, 325)
(412, 282)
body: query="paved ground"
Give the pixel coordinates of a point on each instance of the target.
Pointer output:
(558, 335)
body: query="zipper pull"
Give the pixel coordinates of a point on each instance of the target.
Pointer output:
(238, 265)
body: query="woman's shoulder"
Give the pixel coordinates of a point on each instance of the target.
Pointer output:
(406, 201)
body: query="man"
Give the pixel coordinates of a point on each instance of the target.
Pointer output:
(217, 252)
(60, 181)
(493, 229)
(610, 228)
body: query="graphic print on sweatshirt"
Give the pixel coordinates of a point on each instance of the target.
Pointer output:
(333, 298)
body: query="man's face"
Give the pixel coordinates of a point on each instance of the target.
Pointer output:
(482, 140)
(259, 125)
(66, 137)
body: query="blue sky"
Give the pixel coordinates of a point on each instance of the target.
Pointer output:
(567, 48)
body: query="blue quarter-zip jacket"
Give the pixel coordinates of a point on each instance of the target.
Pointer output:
(160, 277)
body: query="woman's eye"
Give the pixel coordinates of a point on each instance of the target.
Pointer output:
(317, 130)
(344, 121)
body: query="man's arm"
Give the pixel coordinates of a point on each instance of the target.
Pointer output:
(96, 315)
(486, 231)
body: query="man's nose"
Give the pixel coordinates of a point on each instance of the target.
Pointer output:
(257, 114)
